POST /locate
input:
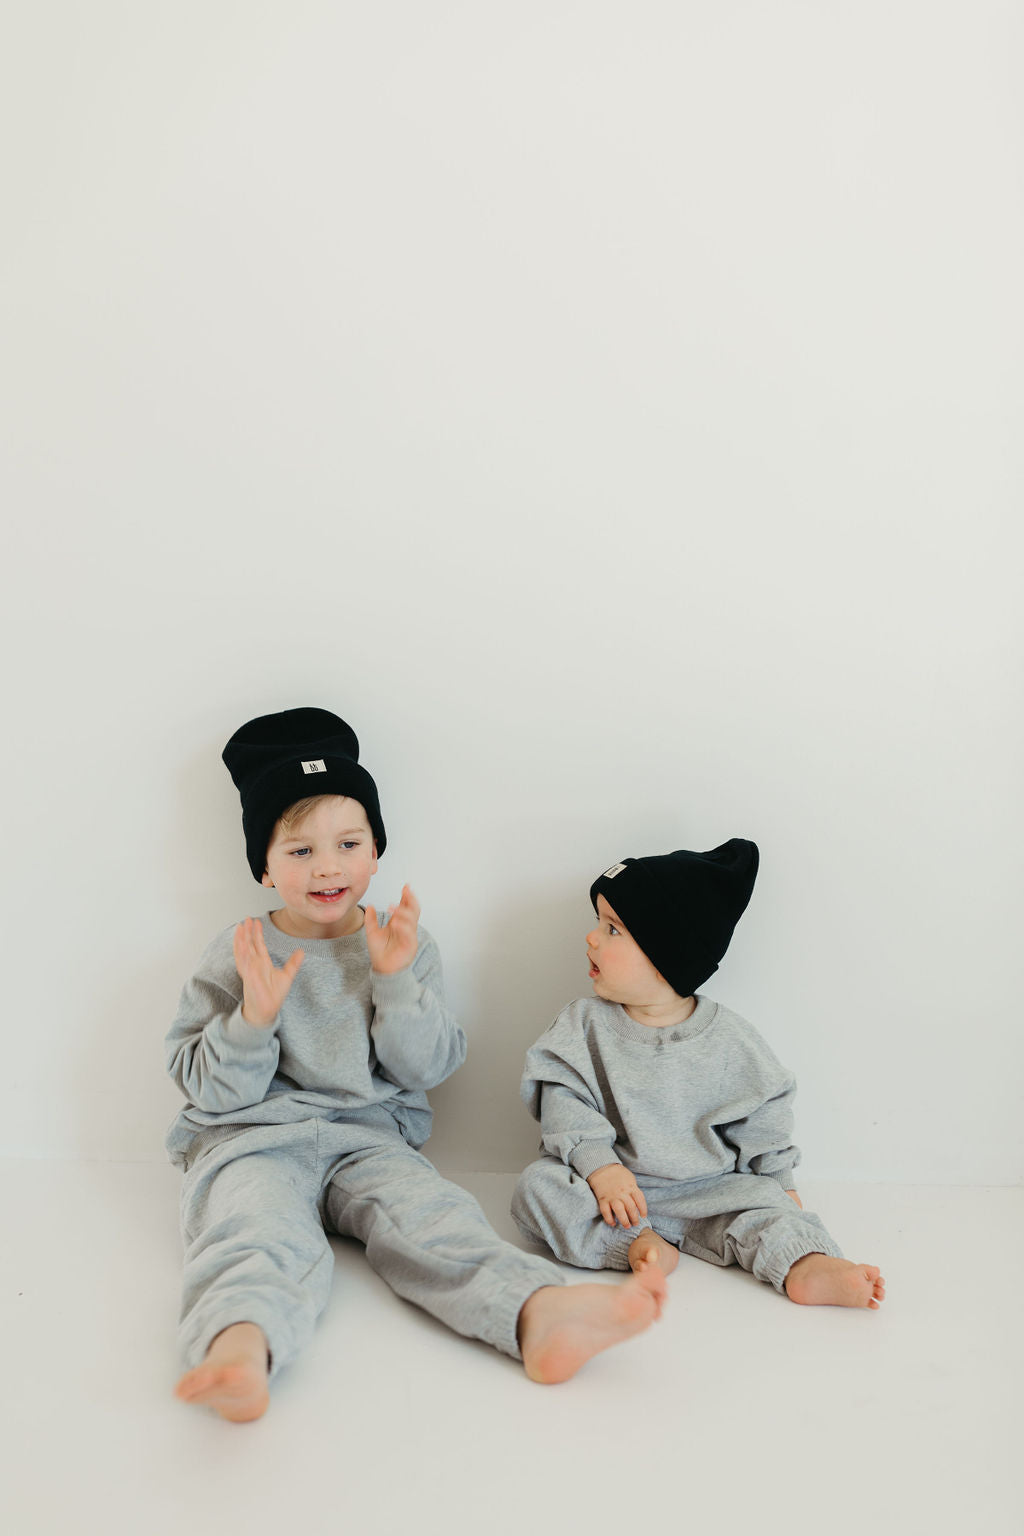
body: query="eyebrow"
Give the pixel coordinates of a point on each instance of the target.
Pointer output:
(349, 832)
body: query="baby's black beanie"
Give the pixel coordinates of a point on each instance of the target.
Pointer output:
(279, 759)
(682, 907)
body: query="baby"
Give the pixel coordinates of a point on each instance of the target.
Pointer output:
(666, 1118)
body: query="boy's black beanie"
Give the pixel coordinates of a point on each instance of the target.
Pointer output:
(682, 907)
(279, 759)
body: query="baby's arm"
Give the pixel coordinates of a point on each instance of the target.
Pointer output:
(574, 1129)
(219, 1059)
(763, 1138)
(417, 1041)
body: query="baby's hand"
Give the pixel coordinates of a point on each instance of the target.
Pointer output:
(619, 1196)
(264, 985)
(394, 946)
(794, 1196)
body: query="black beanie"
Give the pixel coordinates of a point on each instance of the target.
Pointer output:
(682, 907)
(279, 759)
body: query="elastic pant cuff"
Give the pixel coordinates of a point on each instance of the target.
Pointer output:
(781, 1262)
(618, 1248)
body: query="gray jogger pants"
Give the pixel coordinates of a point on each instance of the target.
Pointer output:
(737, 1218)
(256, 1208)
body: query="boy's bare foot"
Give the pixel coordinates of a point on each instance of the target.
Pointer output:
(649, 1248)
(560, 1327)
(817, 1280)
(233, 1377)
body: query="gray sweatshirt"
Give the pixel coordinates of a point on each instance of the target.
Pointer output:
(692, 1101)
(345, 1038)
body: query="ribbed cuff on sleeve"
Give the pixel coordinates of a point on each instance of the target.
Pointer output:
(245, 1036)
(589, 1156)
(784, 1176)
(400, 989)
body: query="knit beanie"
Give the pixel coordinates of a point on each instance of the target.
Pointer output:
(682, 907)
(279, 759)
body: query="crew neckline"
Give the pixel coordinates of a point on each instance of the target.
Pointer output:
(312, 947)
(665, 1034)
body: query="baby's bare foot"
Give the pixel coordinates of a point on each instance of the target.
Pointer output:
(561, 1327)
(649, 1248)
(233, 1378)
(817, 1280)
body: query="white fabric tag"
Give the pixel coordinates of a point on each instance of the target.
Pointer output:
(316, 766)
(610, 874)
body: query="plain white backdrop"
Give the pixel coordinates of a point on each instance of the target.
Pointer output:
(613, 413)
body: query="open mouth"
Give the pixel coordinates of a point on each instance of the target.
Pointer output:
(594, 969)
(328, 896)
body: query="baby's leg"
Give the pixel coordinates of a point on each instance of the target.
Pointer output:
(777, 1242)
(818, 1280)
(257, 1275)
(648, 1249)
(554, 1205)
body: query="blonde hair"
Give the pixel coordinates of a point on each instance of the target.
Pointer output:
(294, 815)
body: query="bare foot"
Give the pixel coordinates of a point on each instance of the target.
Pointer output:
(649, 1248)
(233, 1377)
(817, 1280)
(560, 1327)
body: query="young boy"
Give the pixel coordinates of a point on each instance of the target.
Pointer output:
(667, 1120)
(304, 1046)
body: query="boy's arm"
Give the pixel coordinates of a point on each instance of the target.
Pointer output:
(418, 1043)
(558, 1095)
(763, 1139)
(218, 1060)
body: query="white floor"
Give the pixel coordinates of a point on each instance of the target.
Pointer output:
(738, 1412)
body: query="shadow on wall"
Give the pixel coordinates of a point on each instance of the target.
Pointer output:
(526, 970)
(204, 885)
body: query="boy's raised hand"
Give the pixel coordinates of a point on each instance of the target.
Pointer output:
(618, 1194)
(394, 946)
(264, 984)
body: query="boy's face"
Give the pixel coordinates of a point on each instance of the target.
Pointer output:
(619, 970)
(321, 868)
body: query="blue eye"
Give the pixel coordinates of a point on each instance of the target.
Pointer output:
(349, 846)
(297, 852)
(612, 928)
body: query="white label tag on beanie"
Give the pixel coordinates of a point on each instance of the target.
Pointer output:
(316, 766)
(610, 874)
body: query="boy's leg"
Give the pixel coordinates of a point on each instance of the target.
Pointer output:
(554, 1205)
(255, 1247)
(432, 1243)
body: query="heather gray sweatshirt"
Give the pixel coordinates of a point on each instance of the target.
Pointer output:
(345, 1038)
(692, 1101)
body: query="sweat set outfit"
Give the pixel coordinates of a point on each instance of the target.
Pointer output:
(699, 1112)
(312, 1125)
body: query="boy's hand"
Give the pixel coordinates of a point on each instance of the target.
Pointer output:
(618, 1194)
(794, 1196)
(264, 984)
(394, 946)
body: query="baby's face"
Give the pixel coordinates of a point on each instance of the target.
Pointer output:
(619, 970)
(322, 867)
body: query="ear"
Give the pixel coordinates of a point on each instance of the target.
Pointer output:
(373, 866)
(267, 880)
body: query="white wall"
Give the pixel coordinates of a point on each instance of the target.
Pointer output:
(613, 412)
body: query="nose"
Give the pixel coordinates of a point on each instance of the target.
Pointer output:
(592, 938)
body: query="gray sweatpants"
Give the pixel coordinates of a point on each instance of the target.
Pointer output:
(257, 1204)
(736, 1218)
